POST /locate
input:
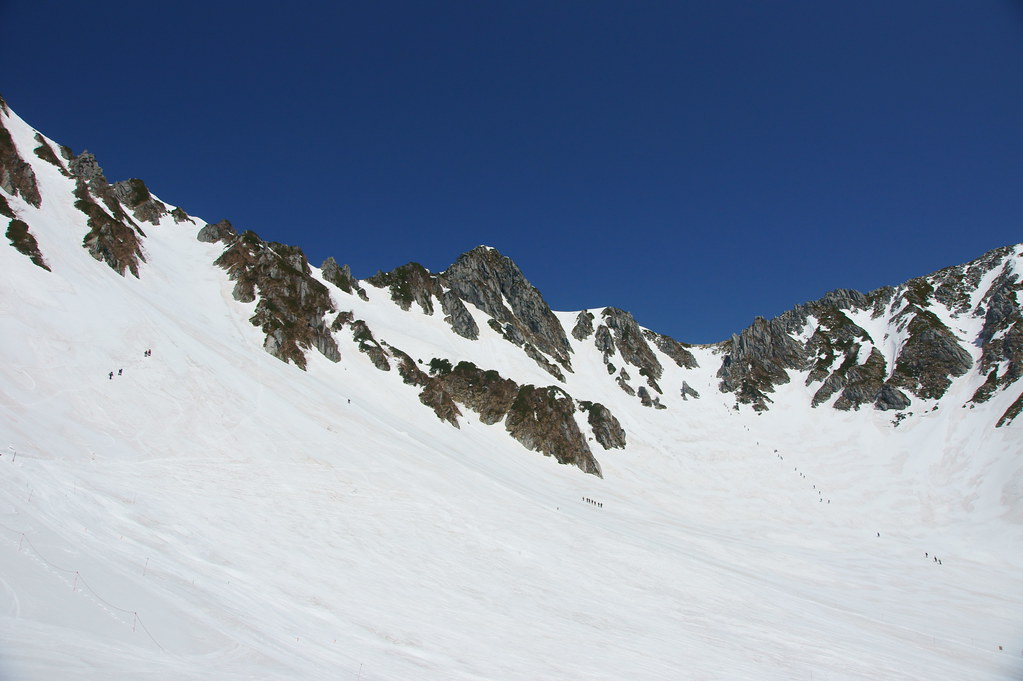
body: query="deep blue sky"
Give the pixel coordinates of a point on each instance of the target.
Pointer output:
(696, 163)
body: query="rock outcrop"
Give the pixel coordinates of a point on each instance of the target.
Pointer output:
(341, 276)
(16, 175)
(113, 237)
(822, 339)
(290, 302)
(21, 239)
(496, 286)
(134, 195)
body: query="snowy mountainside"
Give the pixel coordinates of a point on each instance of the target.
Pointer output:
(212, 509)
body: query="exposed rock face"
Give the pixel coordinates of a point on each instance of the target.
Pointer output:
(410, 283)
(16, 176)
(362, 335)
(842, 356)
(458, 316)
(688, 391)
(542, 419)
(495, 285)
(930, 357)
(181, 216)
(1002, 334)
(605, 426)
(291, 303)
(113, 238)
(673, 349)
(583, 326)
(45, 152)
(758, 361)
(135, 195)
(221, 231)
(341, 276)
(87, 168)
(22, 240)
(631, 344)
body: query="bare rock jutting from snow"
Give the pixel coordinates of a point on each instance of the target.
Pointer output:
(495, 285)
(632, 345)
(341, 276)
(673, 349)
(846, 361)
(290, 302)
(541, 419)
(113, 238)
(688, 391)
(214, 232)
(583, 328)
(45, 152)
(605, 426)
(135, 195)
(22, 239)
(408, 284)
(458, 316)
(16, 175)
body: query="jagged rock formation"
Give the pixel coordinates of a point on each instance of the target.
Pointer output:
(541, 419)
(496, 286)
(823, 339)
(487, 280)
(135, 195)
(290, 303)
(214, 232)
(113, 236)
(342, 278)
(631, 344)
(605, 426)
(618, 334)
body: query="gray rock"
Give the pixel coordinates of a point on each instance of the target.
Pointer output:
(631, 343)
(583, 326)
(890, 398)
(221, 231)
(605, 427)
(458, 316)
(341, 276)
(486, 279)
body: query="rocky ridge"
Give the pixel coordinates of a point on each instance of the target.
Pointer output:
(918, 356)
(912, 353)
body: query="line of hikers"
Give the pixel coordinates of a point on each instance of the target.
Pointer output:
(598, 504)
(120, 372)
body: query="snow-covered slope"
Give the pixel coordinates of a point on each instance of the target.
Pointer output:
(211, 511)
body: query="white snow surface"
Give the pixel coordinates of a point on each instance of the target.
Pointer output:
(216, 513)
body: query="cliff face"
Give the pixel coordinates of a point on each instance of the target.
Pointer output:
(290, 304)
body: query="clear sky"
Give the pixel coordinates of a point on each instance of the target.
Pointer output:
(695, 163)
